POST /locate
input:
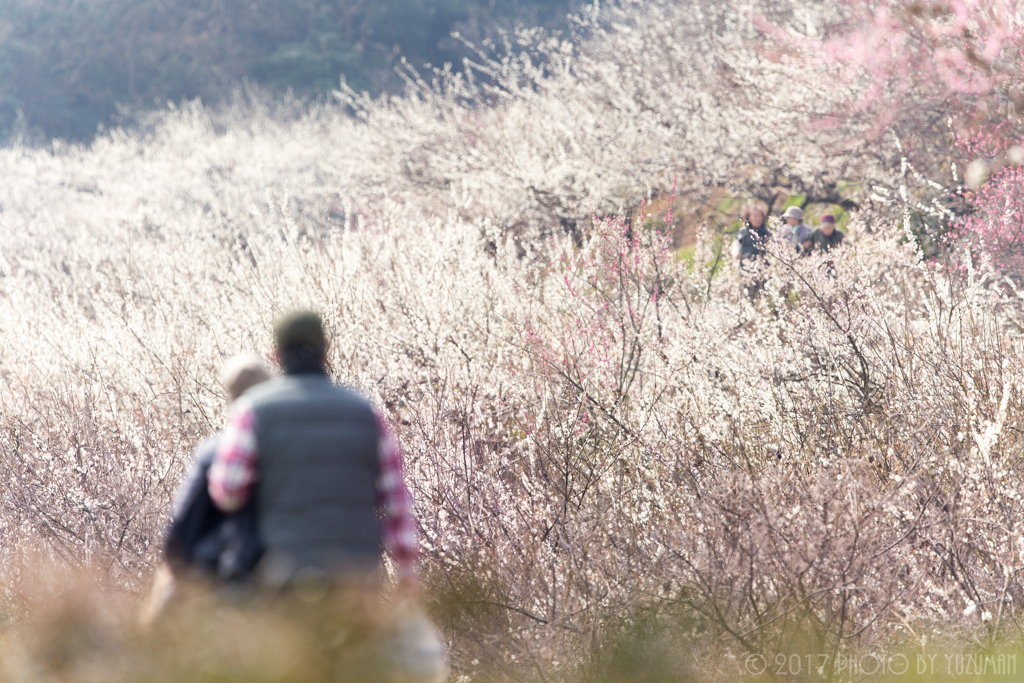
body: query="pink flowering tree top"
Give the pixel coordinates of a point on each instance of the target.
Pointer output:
(944, 79)
(960, 55)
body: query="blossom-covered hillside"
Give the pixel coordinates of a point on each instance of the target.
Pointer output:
(624, 467)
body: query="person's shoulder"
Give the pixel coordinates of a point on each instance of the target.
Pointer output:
(265, 390)
(351, 402)
(286, 389)
(307, 385)
(299, 392)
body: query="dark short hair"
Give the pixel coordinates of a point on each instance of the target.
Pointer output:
(299, 328)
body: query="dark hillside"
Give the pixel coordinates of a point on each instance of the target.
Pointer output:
(66, 65)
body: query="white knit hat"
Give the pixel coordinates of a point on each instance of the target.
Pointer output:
(794, 212)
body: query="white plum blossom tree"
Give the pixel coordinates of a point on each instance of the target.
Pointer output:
(600, 434)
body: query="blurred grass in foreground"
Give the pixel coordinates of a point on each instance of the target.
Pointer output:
(64, 625)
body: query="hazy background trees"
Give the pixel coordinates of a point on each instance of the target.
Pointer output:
(67, 67)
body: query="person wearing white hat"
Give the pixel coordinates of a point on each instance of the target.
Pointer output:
(794, 231)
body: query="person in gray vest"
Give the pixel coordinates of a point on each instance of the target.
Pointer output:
(325, 472)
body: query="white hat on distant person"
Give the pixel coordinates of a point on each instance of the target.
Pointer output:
(794, 212)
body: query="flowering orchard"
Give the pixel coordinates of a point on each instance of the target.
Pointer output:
(941, 80)
(606, 444)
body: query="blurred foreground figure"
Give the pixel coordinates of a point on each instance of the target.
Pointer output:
(326, 477)
(326, 465)
(203, 542)
(202, 539)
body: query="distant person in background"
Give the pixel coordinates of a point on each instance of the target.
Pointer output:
(826, 237)
(753, 236)
(794, 231)
(751, 240)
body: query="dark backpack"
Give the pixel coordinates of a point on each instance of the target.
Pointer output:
(205, 541)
